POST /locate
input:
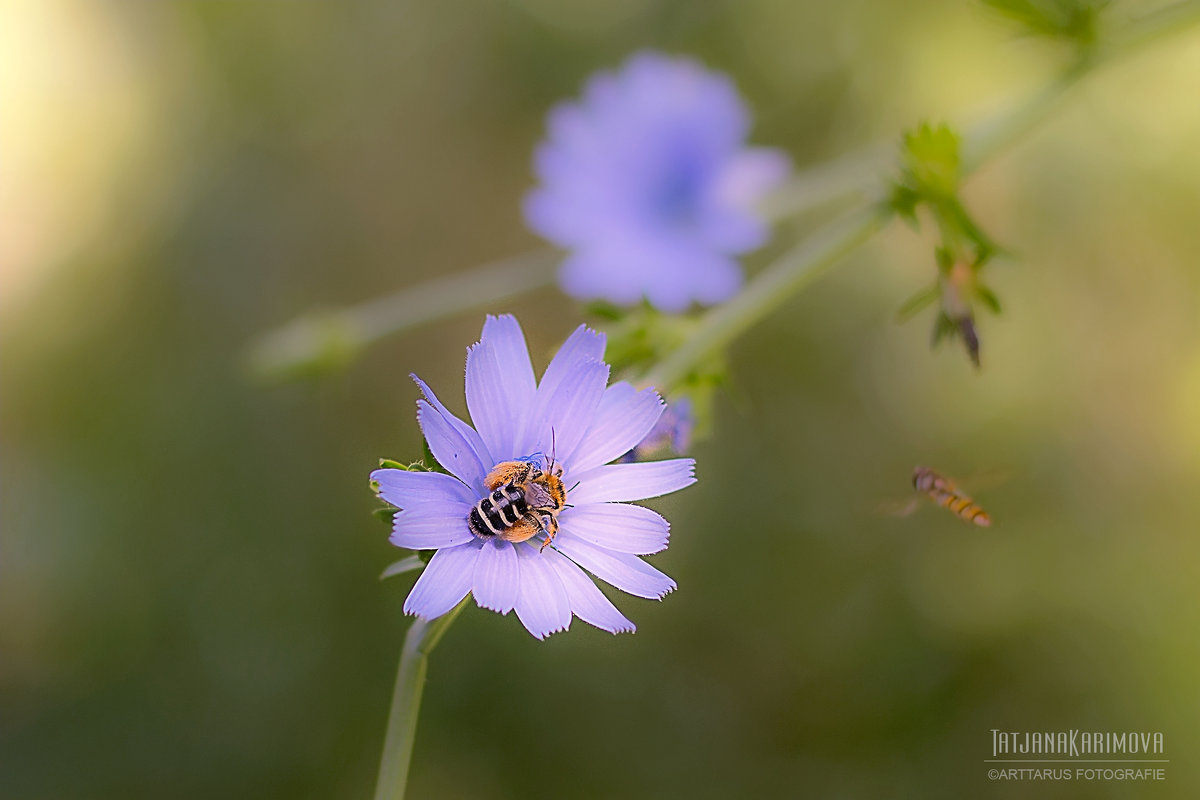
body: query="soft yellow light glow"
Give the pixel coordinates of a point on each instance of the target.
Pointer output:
(75, 117)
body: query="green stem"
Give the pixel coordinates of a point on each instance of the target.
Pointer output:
(854, 175)
(332, 338)
(769, 289)
(422, 637)
(799, 267)
(1149, 28)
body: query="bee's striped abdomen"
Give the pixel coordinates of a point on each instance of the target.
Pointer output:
(498, 511)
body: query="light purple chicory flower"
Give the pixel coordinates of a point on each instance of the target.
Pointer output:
(586, 424)
(648, 181)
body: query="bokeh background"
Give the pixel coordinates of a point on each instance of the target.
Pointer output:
(189, 603)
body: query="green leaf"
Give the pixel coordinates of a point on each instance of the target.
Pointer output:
(402, 566)
(1071, 20)
(931, 161)
(917, 302)
(943, 328)
(904, 202)
(988, 298)
(604, 310)
(428, 463)
(944, 259)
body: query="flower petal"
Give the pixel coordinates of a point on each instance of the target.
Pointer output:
(716, 279)
(618, 483)
(488, 401)
(542, 604)
(593, 272)
(445, 580)
(500, 385)
(582, 347)
(561, 416)
(466, 431)
(454, 443)
(431, 526)
(507, 339)
(731, 223)
(402, 488)
(646, 174)
(617, 526)
(623, 419)
(497, 576)
(626, 572)
(587, 601)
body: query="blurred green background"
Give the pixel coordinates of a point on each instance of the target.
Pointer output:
(188, 599)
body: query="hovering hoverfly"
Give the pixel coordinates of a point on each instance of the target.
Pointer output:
(946, 494)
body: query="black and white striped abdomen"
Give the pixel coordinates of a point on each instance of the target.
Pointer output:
(498, 511)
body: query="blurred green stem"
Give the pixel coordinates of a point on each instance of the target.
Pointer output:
(332, 338)
(854, 175)
(769, 289)
(798, 268)
(422, 637)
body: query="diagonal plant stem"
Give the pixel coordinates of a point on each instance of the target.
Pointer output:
(422, 637)
(768, 290)
(799, 267)
(332, 338)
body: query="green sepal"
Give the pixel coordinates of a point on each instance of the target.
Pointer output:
(1070, 20)
(385, 513)
(644, 336)
(988, 298)
(943, 328)
(932, 165)
(604, 310)
(904, 202)
(944, 259)
(962, 328)
(428, 461)
(918, 302)
(413, 562)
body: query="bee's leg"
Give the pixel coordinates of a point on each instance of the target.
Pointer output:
(524, 529)
(550, 530)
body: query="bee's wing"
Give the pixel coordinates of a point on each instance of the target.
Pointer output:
(537, 496)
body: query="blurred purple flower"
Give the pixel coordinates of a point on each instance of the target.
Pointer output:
(588, 425)
(673, 432)
(648, 181)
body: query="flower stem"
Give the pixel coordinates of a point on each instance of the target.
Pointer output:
(328, 339)
(767, 291)
(422, 637)
(799, 267)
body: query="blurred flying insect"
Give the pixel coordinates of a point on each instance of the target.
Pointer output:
(946, 494)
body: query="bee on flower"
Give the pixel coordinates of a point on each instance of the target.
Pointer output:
(519, 530)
